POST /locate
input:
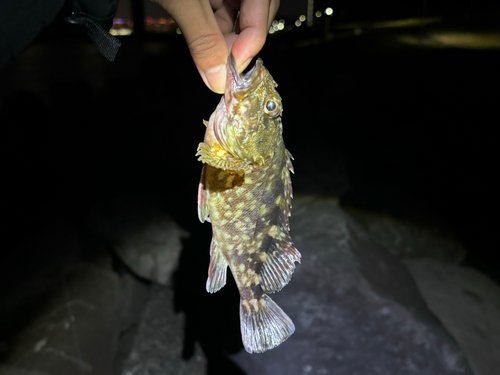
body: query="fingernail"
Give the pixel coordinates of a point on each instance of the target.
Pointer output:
(215, 77)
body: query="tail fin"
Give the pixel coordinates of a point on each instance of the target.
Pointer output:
(263, 324)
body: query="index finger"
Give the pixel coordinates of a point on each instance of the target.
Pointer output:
(254, 21)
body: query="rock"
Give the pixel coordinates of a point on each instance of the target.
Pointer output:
(158, 345)
(356, 308)
(14, 370)
(410, 239)
(134, 297)
(468, 305)
(73, 330)
(144, 237)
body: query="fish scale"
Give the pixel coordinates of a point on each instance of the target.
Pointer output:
(245, 191)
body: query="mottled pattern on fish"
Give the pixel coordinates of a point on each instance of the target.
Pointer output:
(245, 191)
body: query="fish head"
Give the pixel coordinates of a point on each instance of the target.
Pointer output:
(248, 118)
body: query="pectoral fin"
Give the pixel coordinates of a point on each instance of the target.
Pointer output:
(217, 270)
(203, 195)
(220, 158)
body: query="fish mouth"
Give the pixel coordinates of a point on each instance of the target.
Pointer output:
(238, 88)
(240, 85)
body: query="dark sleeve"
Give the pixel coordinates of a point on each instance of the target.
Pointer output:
(20, 23)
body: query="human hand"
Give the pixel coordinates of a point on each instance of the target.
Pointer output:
(208, 27)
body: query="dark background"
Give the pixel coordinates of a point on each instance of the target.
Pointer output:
(394, 120)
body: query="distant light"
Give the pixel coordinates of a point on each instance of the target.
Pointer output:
(120, 32)
(118, 21)
(328, 11)
(358, 31)
(302, 18)
(271, 30)
(318, 14)
(275, 23)
(149, 20)
(178, 31)
(298, 23)
(282, 21)
(281, 26)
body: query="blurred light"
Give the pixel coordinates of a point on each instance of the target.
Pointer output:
(298, 23)
(281, 26)
(275, 23)
(162, 21)
(271, 30)
(118, 21)
(120, 32)
(405, 22)
(358, 31)
(318, 14)
(328, 11)
(282, 21)
(149, 20)
(467, 40)
(129, 22)
(178, 31)
(302, 18)
(454, 39)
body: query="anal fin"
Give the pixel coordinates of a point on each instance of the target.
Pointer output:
(279, 265)
(264, 325)
(217, 271)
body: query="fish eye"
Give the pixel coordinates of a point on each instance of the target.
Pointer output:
(271, 107)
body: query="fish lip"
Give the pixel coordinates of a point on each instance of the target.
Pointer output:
(232, 72)
(238, 85)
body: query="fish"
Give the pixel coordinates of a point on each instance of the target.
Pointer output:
(245, 192)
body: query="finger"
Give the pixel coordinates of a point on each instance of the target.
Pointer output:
(255, 18)
(204, 38)
(273, 9)
(225, 14)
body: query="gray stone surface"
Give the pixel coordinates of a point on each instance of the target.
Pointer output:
(134, 297)
(14, 370)
(356, 308)
(468, 305)
(410, 239)
(158, 345)
(143, 236)
(74, 330)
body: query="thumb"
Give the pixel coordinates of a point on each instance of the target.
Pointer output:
(209, 53)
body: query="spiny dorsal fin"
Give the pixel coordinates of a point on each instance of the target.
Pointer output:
(263, 324)
(217, 271)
